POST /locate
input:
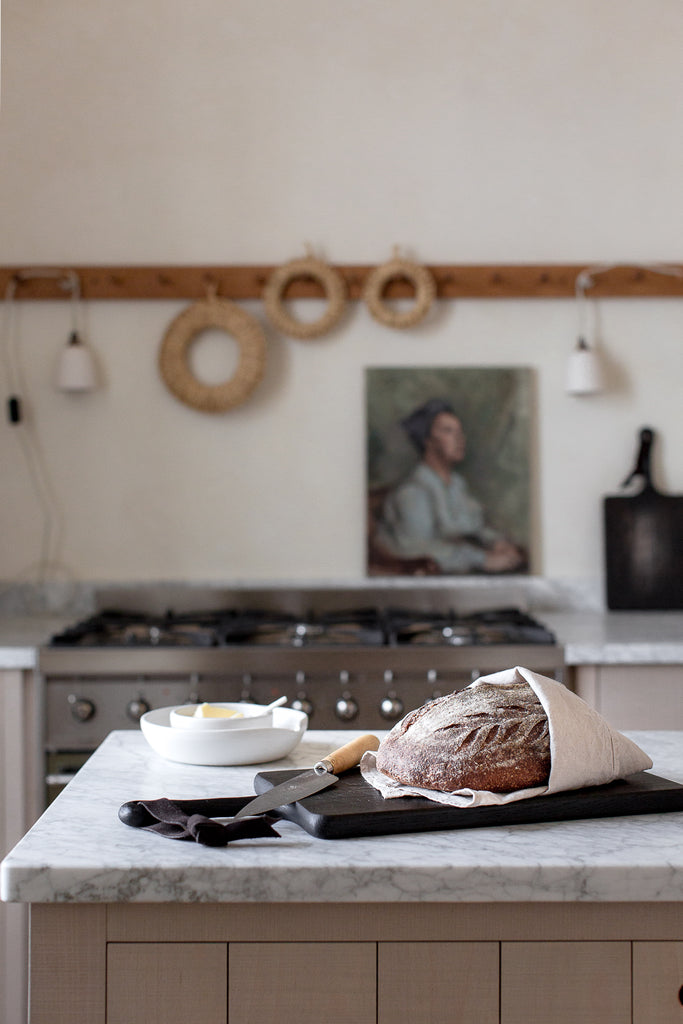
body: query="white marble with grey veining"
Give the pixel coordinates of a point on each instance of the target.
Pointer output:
(618, 638)
(77, 599)
(80, 852)
(21, 636)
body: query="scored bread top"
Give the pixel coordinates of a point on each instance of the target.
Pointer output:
(485, 737)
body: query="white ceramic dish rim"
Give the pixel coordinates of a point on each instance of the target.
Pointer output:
(225, 746)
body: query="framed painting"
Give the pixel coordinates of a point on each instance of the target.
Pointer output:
(448, 470)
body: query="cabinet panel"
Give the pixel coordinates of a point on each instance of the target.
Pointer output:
(439, 982)
(167, 983)
(647, 697)
(657, 982)
(635, 696)
(302, 982)
(68, 965)
(565, 982)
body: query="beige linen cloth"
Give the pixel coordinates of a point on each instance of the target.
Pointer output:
(584, 749)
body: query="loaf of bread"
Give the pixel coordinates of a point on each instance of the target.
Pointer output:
(485, 737)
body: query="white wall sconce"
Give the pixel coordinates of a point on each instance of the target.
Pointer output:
(76, 367)
(584, 369)
(76, 370)
(584, 372)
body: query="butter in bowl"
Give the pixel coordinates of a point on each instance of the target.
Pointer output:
(210, 717)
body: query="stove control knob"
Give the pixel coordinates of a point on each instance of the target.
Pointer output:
(82, 709)
(135, 709)
(302, 703)
(432, 679)
(193, 696)
(346, 708)
(391, 707)
(245, 695)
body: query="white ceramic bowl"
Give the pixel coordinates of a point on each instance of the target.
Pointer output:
(224, 746)
(182, 717)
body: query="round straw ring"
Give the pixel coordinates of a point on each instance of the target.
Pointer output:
(332, 284)
(419, 277)
(184, 331)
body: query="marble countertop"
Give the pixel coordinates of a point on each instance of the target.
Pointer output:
(588, 638)
(80, 852)
(22, 635)
(605, 638)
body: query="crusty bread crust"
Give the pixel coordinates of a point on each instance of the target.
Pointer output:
(484, 737)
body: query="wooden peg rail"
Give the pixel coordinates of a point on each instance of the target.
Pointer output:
(457, 281)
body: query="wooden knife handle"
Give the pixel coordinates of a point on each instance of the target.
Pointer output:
(349, 755)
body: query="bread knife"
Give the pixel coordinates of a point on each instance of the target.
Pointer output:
(320, 776)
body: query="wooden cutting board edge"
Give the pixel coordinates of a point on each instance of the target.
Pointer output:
(352, 808)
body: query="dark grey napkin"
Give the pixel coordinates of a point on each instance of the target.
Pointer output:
(184, 819)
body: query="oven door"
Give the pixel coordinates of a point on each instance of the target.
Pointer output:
(79, 712)
(60, 768)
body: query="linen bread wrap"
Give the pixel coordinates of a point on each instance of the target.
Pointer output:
(584, 749)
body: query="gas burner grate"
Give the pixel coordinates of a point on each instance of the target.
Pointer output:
(255, 627)
(360, 627)
(494, 626)
(113, 628)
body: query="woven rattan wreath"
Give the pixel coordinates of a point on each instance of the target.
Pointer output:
(378, 279)
(183, 331)
(332, 283)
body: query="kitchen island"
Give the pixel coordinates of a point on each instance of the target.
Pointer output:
(552, 922)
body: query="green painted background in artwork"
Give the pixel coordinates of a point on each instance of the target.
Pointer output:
(494, 405)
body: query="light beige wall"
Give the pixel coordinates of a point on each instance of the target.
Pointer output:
(238, 132)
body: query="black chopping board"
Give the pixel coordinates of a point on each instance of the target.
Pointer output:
(352, 807)
(643, 535)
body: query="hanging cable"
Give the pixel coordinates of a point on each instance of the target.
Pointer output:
(8, 327)
(52, 519)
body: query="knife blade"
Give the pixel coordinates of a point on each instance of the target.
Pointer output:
(320, 776)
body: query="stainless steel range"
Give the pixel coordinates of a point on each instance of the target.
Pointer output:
(349, 659)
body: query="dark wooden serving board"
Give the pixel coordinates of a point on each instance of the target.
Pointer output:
(644, 551)
(352, 807)
(643, 539)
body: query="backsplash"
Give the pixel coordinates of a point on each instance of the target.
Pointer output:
(468, 593)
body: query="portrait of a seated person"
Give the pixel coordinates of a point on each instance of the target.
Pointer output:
(432, 515)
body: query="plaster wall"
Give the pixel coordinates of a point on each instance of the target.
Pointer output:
(238, 132)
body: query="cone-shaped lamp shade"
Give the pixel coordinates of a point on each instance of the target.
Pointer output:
(76, 368)
(584, 373)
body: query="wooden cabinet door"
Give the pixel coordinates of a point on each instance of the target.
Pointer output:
(302, 982)
(565, 983)
(438, 982)
(634, 696)
(167, 982)
(658, 983)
